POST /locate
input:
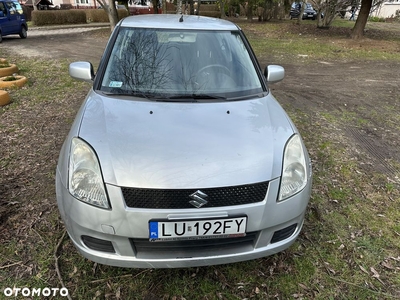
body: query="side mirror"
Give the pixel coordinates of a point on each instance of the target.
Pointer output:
(274, 73)
(1, 14)
(82, 70)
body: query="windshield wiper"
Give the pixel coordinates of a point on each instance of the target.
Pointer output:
(161, 97)
(132, 94)
(196, 97)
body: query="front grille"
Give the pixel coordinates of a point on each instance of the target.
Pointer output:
(217, 197)
(145, 249)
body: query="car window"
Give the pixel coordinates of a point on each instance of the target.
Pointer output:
(11, 8)
(173, 63)
(18, 8)
(3, 9)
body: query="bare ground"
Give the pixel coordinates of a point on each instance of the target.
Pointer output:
(365, 94)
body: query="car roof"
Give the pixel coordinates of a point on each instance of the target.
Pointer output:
(171, 21)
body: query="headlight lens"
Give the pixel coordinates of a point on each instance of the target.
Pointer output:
(85, 180)
(294, 172)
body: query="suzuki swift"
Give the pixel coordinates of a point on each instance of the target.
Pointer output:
(180, 156)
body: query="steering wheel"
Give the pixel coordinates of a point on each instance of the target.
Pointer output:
(219, 68)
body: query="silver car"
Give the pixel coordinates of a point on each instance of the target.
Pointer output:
(180, 156)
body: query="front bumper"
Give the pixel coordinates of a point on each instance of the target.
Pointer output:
(125, 230)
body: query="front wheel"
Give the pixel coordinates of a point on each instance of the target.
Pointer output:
(23, 33)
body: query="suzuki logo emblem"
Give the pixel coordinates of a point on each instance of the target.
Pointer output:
(199, 199)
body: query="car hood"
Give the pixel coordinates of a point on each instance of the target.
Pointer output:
(186, 145)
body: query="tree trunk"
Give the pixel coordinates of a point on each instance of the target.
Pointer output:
(300, 18)
(222, 8)
(358, 29)
(164, 6)
(112, 15)
(249, 10)
(191, 7)
(155, 6)
(286, 5)
(111, 11)
(198, 7)
(179, 7)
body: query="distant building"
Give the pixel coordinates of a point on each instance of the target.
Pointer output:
(40, 4)
(387, 9)
(89, 3)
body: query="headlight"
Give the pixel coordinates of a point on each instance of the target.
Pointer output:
(85, 181)
(294, 172)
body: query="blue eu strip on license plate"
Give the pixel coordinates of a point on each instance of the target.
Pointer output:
(197, 229)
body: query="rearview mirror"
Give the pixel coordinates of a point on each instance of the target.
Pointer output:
(82, 70)
(274, 73)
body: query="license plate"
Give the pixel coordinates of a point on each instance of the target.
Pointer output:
(197, 229)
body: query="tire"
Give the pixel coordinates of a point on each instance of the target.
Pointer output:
(21, 80)
(4, 98)
(23, 33)
(8, 70)
(1, 38)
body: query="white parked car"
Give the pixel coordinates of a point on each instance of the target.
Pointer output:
(180, 156)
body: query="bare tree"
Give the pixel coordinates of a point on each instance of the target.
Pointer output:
(267, 10)
(330, 10)
(111, 11)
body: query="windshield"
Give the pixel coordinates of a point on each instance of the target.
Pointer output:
(170, 63)
(297, 5)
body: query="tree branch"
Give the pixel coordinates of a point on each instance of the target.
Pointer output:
(10, 265)
(57, 248)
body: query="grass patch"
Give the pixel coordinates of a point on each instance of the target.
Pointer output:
(289, 41)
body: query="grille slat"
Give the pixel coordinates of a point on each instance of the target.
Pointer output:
(179, 198)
